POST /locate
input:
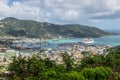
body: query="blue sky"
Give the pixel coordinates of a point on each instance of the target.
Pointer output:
(104, 14)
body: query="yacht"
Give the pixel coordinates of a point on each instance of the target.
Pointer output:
(87, 40)
(55, 39)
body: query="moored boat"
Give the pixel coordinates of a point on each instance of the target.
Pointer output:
(87, 40)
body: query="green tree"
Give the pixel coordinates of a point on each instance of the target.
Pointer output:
(68, 61)
(98, 73)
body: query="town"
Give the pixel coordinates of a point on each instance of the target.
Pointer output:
(77, 50)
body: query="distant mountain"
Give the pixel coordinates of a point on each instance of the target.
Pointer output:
(29, 28)
(113, 30)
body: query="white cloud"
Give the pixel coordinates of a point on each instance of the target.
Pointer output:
(59, 10)
(4, 1)
(70, 14)
(60, 0)
(25, 11)
(20, 10)
(4, 8)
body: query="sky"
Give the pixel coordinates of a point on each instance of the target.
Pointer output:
(104, 14)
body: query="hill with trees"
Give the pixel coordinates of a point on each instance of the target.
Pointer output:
(29, 28)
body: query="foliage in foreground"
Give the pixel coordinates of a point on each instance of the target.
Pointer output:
(37, 69)
(98, 67)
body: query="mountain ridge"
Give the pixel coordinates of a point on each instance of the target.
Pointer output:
(30, 28)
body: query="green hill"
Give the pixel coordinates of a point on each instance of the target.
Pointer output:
(29, 28)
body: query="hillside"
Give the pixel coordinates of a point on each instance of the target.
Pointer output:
(29, 28)
(113, 30)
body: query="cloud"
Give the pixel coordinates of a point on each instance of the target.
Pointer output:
(114, 15)
(4, 1)
(24, 11)
(20, 10)
(4, 8)
(61, 11)
(105, 10)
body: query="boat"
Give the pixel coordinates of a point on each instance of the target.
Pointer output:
(55, 39)
(87, 40)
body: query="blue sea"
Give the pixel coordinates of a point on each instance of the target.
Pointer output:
(106, 40)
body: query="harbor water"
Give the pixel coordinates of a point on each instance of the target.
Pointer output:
(106, 40)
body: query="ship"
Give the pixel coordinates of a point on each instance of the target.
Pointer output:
(55, 39)
(87, 40)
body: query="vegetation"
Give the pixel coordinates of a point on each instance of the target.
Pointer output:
(98, 67)
(29, 28)
(37, 69)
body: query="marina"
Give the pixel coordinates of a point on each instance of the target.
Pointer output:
(54, 44)
(29, 46)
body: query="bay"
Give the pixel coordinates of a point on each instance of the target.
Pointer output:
(106, 40)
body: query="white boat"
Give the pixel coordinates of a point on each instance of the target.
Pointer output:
(55, 39)
(87, 40)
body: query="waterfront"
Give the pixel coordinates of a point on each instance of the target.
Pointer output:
(54, 44)
(29, 46)
(106, 40)
(52, 49)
